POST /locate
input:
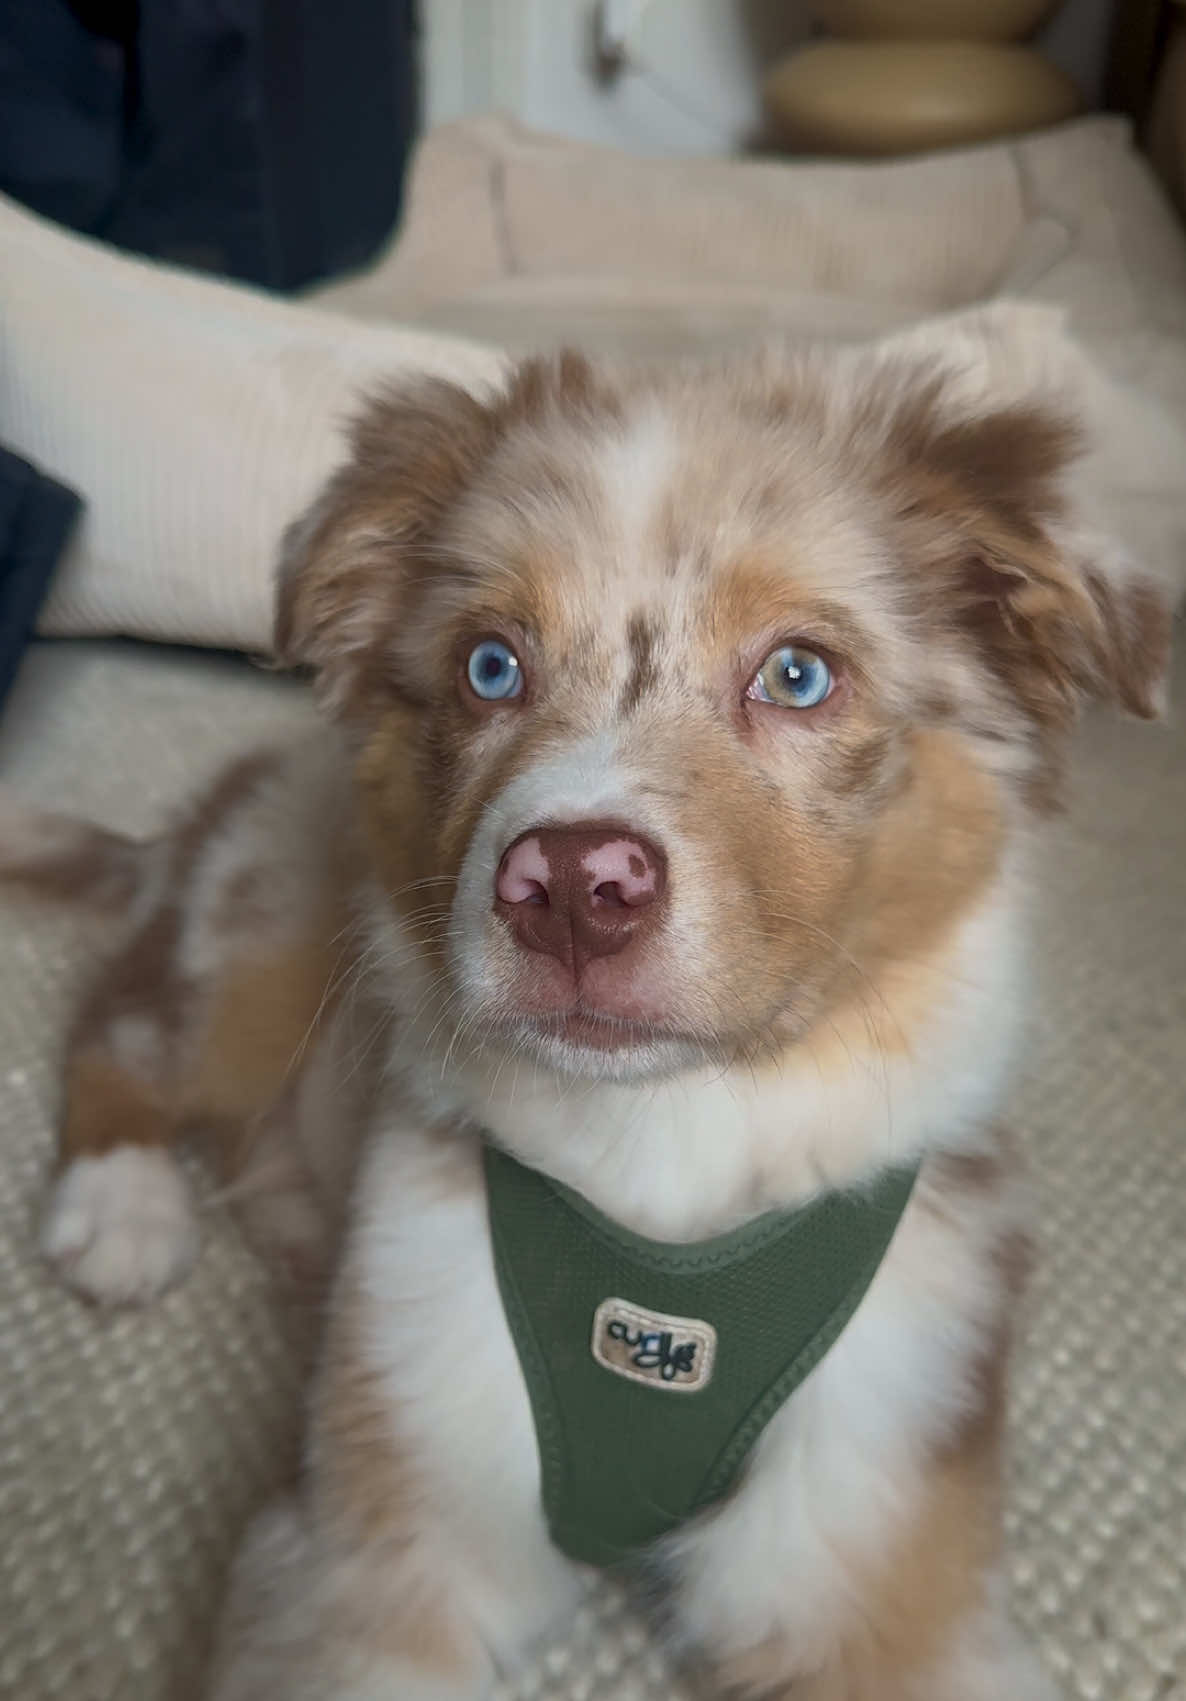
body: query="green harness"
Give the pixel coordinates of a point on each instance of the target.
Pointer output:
(652, 1368)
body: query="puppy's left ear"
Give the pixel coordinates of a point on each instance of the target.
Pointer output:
(1046, 591)
(1033, 484)
(1053, 608)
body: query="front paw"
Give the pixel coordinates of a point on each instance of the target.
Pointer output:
(121, 1228)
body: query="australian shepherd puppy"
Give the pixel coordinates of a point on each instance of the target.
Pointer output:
(685, 738)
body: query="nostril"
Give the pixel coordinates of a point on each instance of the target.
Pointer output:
(523, 874)
(611, 895)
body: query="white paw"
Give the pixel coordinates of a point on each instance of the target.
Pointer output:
(121, 1228)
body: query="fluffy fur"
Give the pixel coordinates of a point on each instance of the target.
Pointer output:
(314, 968)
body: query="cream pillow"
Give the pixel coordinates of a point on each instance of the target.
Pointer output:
(195, 418)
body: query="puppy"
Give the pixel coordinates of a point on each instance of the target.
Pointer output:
(637, 968)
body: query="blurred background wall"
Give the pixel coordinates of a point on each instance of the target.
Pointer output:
(692, 71)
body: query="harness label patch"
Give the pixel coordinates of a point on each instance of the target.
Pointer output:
(668, 1353)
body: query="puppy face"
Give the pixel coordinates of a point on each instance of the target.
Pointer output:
(685, 706)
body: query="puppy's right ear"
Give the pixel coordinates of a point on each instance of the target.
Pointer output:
(344, 564)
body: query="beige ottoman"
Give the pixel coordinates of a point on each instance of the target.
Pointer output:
(905, 77)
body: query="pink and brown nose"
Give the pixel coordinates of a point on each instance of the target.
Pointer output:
(580, 892)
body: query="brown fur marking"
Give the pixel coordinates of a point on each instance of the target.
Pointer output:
(137, 987)
(642, 642)
(83, 864)
(936, 850)
(262, 1008)
(109, 1105)
(141, 985)
(966, 1179)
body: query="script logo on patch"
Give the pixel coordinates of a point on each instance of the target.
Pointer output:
(663, 1352)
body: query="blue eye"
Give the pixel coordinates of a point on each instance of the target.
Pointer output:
(493, 672)
(792, 678)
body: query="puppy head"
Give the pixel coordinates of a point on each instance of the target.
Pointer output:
(686, 705)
